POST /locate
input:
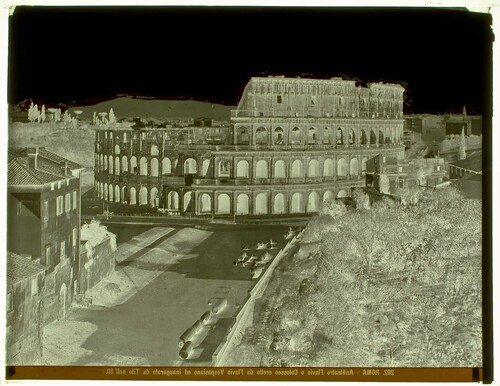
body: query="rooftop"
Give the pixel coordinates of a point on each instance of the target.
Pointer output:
(20, 267)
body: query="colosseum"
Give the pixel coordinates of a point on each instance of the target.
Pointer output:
(293, 143)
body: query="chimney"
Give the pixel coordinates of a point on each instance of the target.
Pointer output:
(64, 167)
(32, 153)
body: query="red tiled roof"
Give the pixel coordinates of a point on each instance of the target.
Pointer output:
(21, 267)
(20, 173)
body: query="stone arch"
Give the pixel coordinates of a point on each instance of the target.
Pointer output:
(339, 139)
(110, 164)
(105, 163)
(373, 137)
(133, 196)
(117, 166)
(166, 166)
(261, 203)
(296, 135)
(341, 167)
(297, 170)
(143, 196)
(110, 192)
(101, 163)
(363, 165)
(313, 202)
(352, 137)
(143, 166)
(117, 149)
(153, 197)
(154, 167)
(133, 164)
(154, 150)
(63, 301)
(279, 204)
(173, 200)
(242, 169)
(279, 169)
(242, 135)
(204, 167)
(313, 169)
(105, 192)
(205, 203)
(342, 194)
(101, 190)
(223, 203)
(388, 136)
(381, 137)
(242, 204)
(117, 193)
(363, 139)
(279, 136)
(353, 167)
(261, 169)
(312, 135)
(297, 205)
(190, 166)
(224, 168)
(124, 164)
(328, 168)
(328, 196)
(261, 136)
(327, 135)
(124, 195)
(187, 199)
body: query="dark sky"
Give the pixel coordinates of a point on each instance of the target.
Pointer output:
(73, 54)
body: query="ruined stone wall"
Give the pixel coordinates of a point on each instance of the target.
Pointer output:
(96, 267)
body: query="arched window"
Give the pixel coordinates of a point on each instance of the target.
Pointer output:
(143, 196)
(380, 137)
(124, 164)
(154, 149)
(352, 137)
(117, 193)
(261, 136)
(340, 137)
(278, 137)
(173, 200)
(373, 138)
(204, 167)
(101, 163)
(105, 192)
(313, 170)
(313, 202)
(328, 196)
(154, 197)
(353, 170)
(261, 169)
(342, 194)
(242, 206)
(124, 195)
(133, 196)
(242, 169)
(341, 168)
(311, 137)
(110, 164)
(297, 203)
(117, 149)
(154, 167)
(133, 165)
(328, 168)
(101, 190)
(110, 193)
(327, 135)
(279, 204)
(388, 139)
(297, 169)
(190, 166)
(296, 136)
(117, 166)
(261, 203)
(205, 203)
(223, 203)
(363, 139)
(363, 165)
(166, 166)
(105, 163)
(279, 169)
(187, 200)
(144, 166)
(242, 136)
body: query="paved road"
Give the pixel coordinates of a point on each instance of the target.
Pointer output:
(148, 324)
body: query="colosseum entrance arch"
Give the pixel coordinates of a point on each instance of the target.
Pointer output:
(190, 166)
(143, 196)
(297, 169)
(154, 197)
(313, 202)
(313, 168)
(242, 169)
(328, 168)
(117, 193)
(133, 165)
(124, 164)
(133, 196)
(328, 196)
(342, 194)
(354, 167)
(279, 169)
(205, 203)
(223, 203)
(154, 167)
(166, 166)
(143, 166)
(261, 204)
(261, 169)
(204, 167)
(341, 168)
(279, 204)
(261, 136)
(173, 200)
(297, 206)
(242, 207)
(187, 200)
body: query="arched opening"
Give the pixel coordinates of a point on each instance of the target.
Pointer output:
(313, 202)
(190, 166)
(117, 149)
(101, 163)
(279, 169)
(105, 163)
(153, 197)
(63, 301)
(327, 135)
(295, 137)
(311, 137)
(242, 136)
(166, 166)
(110, 192)
(340, 137)
(154, 149)
(261, 203)
(353, 169)
(223, 203)
(204, 167)
(342, 194)
(154, 167)
(133, 165)
(105, 192)
(224, 168)
(124, 164)
(278, 136)
(363, 165)
(279, 204)
(117, 193)
(242, 169)
(143, 166)
(297, 169)
(381, 137)
(117, 166)
(110, 164)
(133, 196)
(328, 168)
(328, 196)
(187, 200)
(101, 190)
(242, 206)
(373, 138)
(173, 200)
(143, 196)
(124, 195)
(363, 139)
(297, 205)
(205, 203)
(313, 170)
(261, 136)
(341, 168)
(352, 137)
(261, 169)
(388, 139)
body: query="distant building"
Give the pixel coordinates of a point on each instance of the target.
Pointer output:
(472, 165)
(202, 122)
(388, 174)
(25, 294)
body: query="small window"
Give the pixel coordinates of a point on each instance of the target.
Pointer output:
(59, 205)
(67, 181)
(63, 248)
(74, 199)
(106, 134)
(67, 205)
(34, 286)
(278, 98)
(52, 186)
(438, 168)
(58, 184)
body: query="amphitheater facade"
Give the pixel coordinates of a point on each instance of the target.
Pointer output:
(292, 144)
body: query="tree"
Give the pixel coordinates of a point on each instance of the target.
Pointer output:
(112, 118)
(31, 116)
(461, 147)
(57, 115)
(94, 118)
(42, 114)
(36, 113)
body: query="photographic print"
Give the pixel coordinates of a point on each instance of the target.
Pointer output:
(248, 193)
